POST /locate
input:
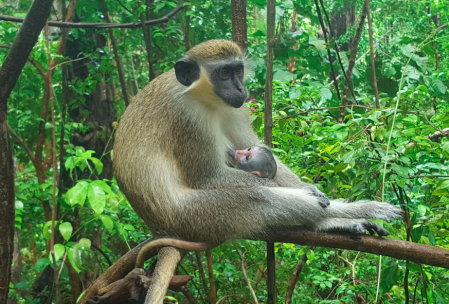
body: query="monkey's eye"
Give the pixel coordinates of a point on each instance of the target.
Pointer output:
(249, 149)
(239, 70)
(224, 72)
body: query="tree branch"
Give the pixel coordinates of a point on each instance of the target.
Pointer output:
(22, 142)
(438, 135)
(413, 252)
(30, 59)
(131, 25)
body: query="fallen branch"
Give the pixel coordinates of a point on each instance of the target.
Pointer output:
(116, 272)
(131, 25)
(134, 288)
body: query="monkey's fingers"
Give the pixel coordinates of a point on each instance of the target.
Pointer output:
(322, 198)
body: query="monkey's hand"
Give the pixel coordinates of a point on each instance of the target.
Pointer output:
(322, 199)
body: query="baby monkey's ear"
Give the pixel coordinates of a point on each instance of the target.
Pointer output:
(256, 173)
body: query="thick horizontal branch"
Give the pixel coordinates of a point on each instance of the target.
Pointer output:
(402, 250)
(130, 25)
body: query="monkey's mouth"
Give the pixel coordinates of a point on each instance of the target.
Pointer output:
(235, 101)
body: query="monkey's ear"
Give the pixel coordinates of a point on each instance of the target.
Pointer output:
(187, 71)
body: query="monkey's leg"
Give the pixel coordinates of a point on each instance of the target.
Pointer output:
(168, 259)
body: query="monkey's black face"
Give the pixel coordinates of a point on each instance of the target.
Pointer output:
(227, 80)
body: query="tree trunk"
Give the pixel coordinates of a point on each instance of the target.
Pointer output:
(342, 17)
(239, 27)
(268, 134)
(100, 105)
(9, 73)
(353, 48)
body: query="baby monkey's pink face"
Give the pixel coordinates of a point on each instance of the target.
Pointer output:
(242, 156)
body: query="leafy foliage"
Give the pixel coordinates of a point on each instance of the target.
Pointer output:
(345, 159)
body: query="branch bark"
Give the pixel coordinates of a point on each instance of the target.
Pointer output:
(131, 25)
(413, 252)
(22, 142)
(239, 26)
(212, 290)
(9, 73)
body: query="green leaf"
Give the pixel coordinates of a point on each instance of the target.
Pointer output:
(129, 227)
(257, 123)
(41, 264)
(283, 76)
(444, 184)
(77, 195)
(340, 167)
(438, 88)
(70, 256)
(107, 222)
(98, 164)
(310, 255)
(440, 192)
(262, 26)
(105, 187)
(84, 244)
(319, 45)
(47, 230)
(389, 277)
(97, 198)
(294, 93)
(389, 71)
(19, 205)
(325, 94)
(66, 230)
(59, 252)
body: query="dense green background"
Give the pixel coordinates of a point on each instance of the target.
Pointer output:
(344, 159)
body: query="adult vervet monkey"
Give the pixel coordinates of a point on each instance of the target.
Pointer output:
(170, 160)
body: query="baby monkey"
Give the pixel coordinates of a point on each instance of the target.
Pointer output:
(257, 160)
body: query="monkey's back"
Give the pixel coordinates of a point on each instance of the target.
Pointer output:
(160, 152)
(141, 152)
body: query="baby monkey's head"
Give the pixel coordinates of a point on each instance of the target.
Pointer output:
(257, 160)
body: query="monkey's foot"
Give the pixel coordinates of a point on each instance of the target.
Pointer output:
(359, 226)
(372, 227)
(322, 198)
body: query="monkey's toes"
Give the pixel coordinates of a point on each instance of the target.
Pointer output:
(374, 228)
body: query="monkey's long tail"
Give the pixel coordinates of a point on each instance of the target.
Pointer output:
(149, 250)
